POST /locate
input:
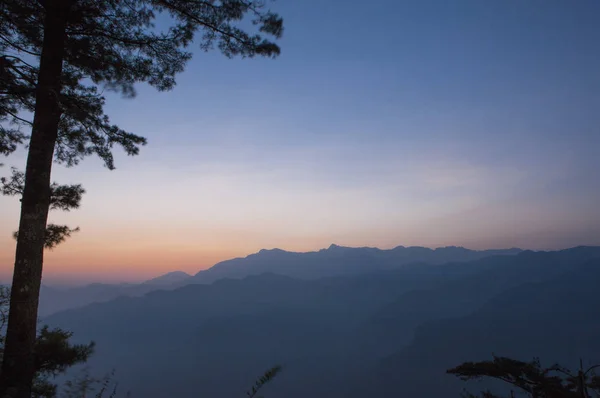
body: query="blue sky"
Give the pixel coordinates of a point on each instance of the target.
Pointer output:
(382, 123)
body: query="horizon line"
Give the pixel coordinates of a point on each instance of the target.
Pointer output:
(61, 281)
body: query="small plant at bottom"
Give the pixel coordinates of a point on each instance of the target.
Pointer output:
(264, 379)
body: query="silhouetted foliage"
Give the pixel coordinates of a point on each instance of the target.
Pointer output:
(531, 378)
(54, 354)
(55, 235)
(85, 385)
(62, 197)
(264, 379)
(57, 58)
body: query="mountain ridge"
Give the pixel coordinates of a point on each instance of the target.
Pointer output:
(334, 260)
(168, 278)
(326, 262)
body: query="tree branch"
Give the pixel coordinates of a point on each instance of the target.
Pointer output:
(204, 23)
(18, 59)
(17, 117)
(21, 49)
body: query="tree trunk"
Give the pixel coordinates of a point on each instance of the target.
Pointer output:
(18, 357)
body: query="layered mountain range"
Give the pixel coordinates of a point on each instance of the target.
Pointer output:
(333, 261)
(346, 322)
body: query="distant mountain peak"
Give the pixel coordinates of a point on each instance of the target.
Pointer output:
(169, 278)
(274, 250)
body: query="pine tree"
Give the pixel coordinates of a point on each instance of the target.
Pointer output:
(56, 59)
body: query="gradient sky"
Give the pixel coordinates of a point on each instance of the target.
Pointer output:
(383, 123)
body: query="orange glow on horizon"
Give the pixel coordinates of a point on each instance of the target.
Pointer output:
(88, 257)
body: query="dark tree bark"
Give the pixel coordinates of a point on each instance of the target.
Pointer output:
(18, 367)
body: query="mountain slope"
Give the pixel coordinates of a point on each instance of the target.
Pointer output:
(54, 299)
(214, 339)
(555, 320)
(488, 277)
(337, 260)
(334, 261)
(168, 279)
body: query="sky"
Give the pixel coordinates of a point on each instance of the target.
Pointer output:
(383, 123)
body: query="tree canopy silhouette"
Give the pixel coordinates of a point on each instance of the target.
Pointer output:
(57, 57)
(531, 378)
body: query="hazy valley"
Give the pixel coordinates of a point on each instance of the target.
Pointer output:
(342, 322)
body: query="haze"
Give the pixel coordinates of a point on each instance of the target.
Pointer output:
(471, 123)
